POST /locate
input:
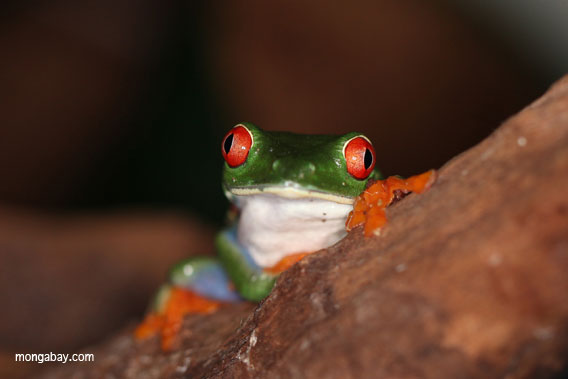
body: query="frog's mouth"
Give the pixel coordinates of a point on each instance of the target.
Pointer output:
(288, 192)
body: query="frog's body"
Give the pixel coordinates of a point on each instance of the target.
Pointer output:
(294, 193)
(269, 229)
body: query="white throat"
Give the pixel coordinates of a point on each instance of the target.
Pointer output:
(272, 227)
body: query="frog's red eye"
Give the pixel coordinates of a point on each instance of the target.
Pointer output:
(359, 157)
(236, 145)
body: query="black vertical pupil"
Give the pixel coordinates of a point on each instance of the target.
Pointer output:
(368, 158)
(228, 143)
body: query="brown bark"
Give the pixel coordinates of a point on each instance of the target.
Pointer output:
(467, 280)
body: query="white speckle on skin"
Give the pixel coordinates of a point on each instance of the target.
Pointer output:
(400, 268)
(521, 141)
(465, 172)
(495, 260)
(188, 270)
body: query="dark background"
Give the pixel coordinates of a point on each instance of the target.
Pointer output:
(112, 113)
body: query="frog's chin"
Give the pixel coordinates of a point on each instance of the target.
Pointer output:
(289, 192)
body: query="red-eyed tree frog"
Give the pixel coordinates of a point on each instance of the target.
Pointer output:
(293, 193)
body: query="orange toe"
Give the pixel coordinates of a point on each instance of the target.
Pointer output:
(369, 207)
(168, 322)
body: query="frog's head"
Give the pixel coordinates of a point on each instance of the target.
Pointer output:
(334, 168)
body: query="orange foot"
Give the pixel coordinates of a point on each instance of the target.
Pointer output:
(285, 263)
(168, 322)
(369, 207)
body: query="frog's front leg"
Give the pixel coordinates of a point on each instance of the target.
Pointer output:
(251, 281)
(369, 207)
(196, 285)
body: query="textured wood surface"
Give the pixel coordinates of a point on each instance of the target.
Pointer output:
(467, 280)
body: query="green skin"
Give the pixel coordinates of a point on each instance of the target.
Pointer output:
(276, 162)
